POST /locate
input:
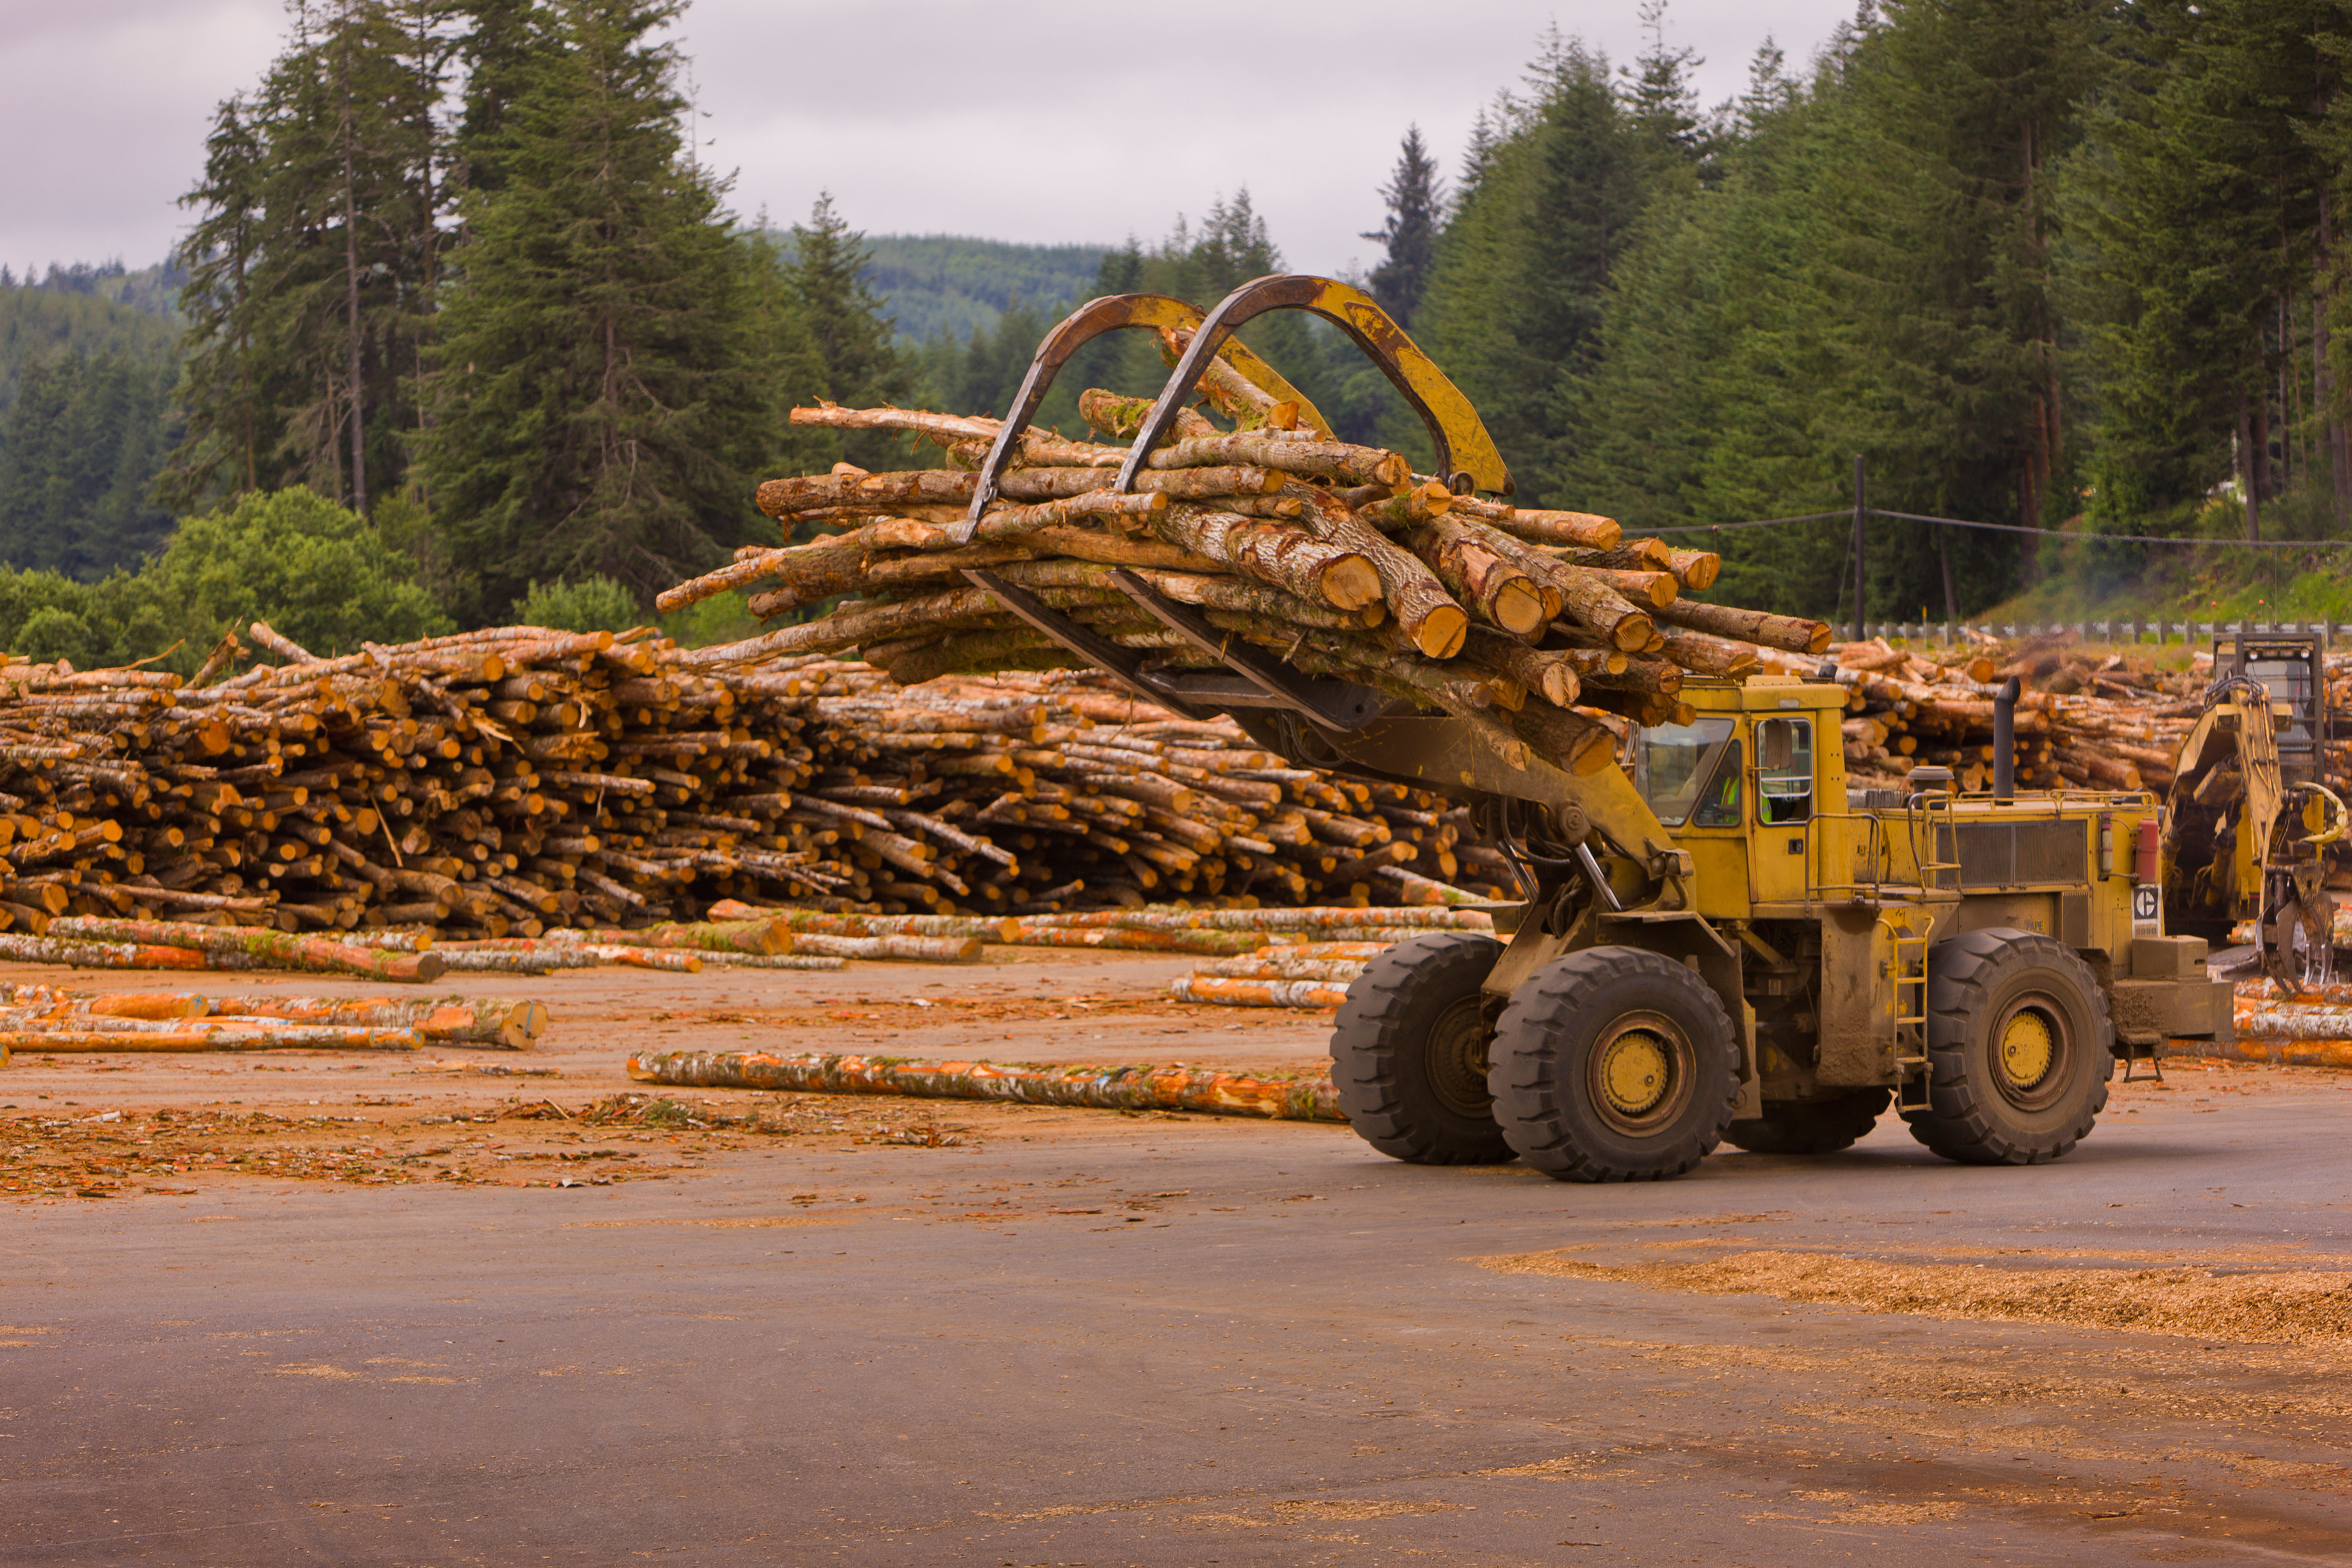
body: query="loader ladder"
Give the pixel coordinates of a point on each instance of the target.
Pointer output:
(1907, 1002)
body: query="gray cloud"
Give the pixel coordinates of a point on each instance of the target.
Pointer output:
(1040, 120)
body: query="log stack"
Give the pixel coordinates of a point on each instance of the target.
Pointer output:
(2080, 724)
(508, 784)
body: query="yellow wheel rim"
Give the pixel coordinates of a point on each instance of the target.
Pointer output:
(2028, 1046)
(1633, 1074)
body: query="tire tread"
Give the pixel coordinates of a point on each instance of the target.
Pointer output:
(1528, 1037)
(1962, 976)
(1372, 1032)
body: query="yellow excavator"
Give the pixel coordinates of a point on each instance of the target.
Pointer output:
(1716, 941)
(2251, 816)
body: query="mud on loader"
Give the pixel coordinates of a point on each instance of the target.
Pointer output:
(1717, 941)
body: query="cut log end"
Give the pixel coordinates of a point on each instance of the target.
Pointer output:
(1635, 632)
(1350, 583)
(1441, 632)
(1518, 608)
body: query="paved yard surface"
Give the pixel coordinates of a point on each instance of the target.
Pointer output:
(335, 1312)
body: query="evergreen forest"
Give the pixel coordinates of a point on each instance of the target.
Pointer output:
(461, 321)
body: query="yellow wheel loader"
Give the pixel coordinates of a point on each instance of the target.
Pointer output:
(1716, 941)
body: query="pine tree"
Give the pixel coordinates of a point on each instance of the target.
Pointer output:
(1121, 271)
(227, 424)
(840, 311)
(607, 382)
(1662, 103)
(2204, 199)
(1415, 205)
(314, 263)
(1516, 300)
(496, 51)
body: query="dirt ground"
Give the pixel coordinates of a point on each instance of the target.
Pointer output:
(485, 1306)
(566, 1113)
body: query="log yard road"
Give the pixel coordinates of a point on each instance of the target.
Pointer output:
(409, 1308)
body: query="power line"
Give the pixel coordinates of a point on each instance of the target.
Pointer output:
(2020, 527)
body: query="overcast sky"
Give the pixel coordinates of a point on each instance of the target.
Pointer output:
(1038, 121)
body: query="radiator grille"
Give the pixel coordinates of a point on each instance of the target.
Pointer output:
(2020, 854)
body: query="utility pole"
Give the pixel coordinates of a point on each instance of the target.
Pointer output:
(1858, 566)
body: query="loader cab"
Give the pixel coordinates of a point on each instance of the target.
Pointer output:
(2290, 666)
(1740, 786)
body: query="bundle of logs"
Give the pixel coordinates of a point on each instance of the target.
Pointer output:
(1544, 629)
(2080, 723)
(1031, 793)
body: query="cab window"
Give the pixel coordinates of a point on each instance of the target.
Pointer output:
(1689, 773)
(1718, 804)
(1784, 771)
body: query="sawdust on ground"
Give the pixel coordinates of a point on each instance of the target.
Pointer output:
(2281, 1306)
(522, 1141)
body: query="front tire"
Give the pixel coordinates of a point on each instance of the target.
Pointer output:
(1815, 1127)
(2020, 1050)
(1408, 1052)
(1614, 1065)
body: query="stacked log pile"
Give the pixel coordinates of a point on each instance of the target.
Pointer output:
(1307, 974)
(506, 783)
(2081, 723)
(1545, 630)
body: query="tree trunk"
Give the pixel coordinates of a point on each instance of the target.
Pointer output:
(2242, 443)
(352, 298)
(2322, 366)
(2259, 453)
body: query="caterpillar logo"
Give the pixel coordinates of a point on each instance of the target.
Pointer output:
(2147, 910)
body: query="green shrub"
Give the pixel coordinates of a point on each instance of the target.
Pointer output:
(594, 604)
(314, 571)
(725, 618)
(54, 632)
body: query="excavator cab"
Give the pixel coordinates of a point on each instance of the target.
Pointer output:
(2291, 669)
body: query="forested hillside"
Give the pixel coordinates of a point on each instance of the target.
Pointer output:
(2069, 272)
(936, 284)
(2043, 264)
(87, 356)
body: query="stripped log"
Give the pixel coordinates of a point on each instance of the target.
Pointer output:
(216, 1035)
(1105, 1088)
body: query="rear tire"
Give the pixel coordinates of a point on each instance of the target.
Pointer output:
(1818, 1127)
(1408, 1052)
(1614, 1065)
(2020, 1050)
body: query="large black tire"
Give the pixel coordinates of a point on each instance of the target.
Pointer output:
(2020, 1050)
(1408, 1052)
(1816, 1127)
(1614, 1065)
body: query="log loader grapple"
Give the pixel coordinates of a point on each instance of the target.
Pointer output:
(1717, 941)
(2253, 816)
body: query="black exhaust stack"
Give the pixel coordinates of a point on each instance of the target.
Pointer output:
(2004, 740)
